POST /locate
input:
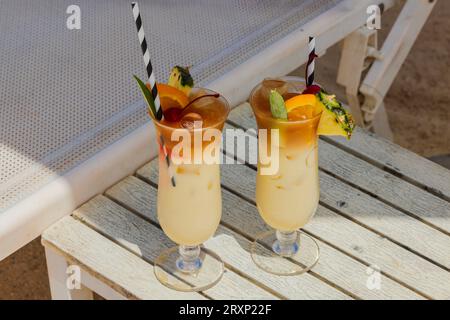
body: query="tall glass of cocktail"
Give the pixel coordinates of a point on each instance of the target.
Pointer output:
(288, 198)
(189, 203)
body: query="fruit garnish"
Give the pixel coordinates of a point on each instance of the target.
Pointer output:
(300, 101)
(303, 113)
(277, 105)
(335, 119)
(181, 79)
(175, 114)
(171, 97)
(314, 89)
(148, 98)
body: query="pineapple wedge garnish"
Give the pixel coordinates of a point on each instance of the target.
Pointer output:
(335, 120)
(181, 79)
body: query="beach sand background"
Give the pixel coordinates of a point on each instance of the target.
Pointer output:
(417, 105)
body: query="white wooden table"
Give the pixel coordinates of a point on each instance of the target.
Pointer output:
(382, 208)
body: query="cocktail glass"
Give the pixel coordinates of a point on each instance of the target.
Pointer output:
(288, 198)
(189, 212)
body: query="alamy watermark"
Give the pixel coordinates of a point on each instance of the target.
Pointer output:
(73, 281)
(374, 17)
(205, 147)
(374, 278)
(73, 22)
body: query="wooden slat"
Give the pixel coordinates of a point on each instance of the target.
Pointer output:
(403, 229)
(401, 161)
(147, 241)
(120, 269)
(387, 187)
(232, 247)
(242, 216)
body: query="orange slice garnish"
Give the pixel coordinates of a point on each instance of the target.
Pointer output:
(171, 97)
(301, 113)
(301, 101)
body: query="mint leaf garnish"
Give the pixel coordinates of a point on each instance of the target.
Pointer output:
(147, 97)
(277, 106)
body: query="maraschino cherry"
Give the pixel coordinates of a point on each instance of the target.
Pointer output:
(175, 114)
(313, 89)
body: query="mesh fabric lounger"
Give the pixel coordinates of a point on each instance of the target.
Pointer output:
(72, 121)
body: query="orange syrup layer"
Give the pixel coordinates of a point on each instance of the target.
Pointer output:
(210, 111)
(298, 132)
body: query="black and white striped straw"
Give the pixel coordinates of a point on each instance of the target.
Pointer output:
(311, 64)
(152, 82)
(147, 62)
(169, 166)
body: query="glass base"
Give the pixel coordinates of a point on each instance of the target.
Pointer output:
(188, 269)
(285, 254)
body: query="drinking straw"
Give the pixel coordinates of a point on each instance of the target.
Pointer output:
(166, 156)
(311, 65)
(152, 82)
(147, 62)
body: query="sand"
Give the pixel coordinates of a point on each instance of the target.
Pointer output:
(417, 105)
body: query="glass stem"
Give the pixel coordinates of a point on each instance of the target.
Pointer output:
(189, 260)
(286, 244)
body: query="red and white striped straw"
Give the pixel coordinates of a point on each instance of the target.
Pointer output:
(152, 82)
(311, 64)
